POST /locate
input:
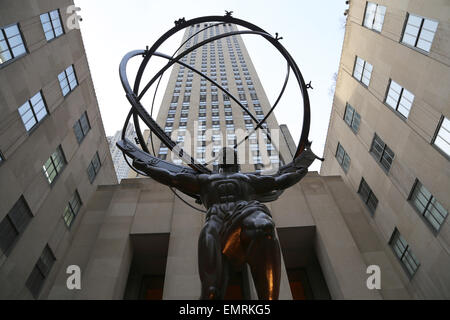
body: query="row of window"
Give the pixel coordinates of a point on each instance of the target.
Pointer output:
(34, 110)
(14, 225)
(418, 31)
(400, 100)
(421, 198)
(12, 45)
(18, 217)
(424, 203)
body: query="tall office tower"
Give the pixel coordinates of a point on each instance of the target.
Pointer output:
(54, 152)
(202, 119)
(389, 133)
(120, 165)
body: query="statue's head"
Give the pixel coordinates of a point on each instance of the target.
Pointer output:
(228, 160)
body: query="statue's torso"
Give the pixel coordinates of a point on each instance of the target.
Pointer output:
(225, 190)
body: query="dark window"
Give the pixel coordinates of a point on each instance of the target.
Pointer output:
(382, 153)
(51, 23)
(54, 165)
(11, 43)
(352, 118)
(174, 99)
(94, 167)
(81, 127)
(14, 224)
(427, 205)
(72, 209)
(33, 111)
(343, 158)
(67, 80)
(40, 271)
(403, 252)
(368, 196)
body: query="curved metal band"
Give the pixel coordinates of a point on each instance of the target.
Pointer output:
(135, 96)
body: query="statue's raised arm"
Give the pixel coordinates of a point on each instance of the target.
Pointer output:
(185, 182)
(263, 184)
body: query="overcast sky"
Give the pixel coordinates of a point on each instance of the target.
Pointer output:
(312, 32)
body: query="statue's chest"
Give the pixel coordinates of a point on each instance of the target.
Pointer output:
(227, 190)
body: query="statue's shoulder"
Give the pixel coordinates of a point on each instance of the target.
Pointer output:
(242, 176)
(206, 177)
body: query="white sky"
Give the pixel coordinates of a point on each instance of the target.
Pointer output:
(312, 32)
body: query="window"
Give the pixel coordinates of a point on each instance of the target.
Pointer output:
(442, 138)
(94, 167)
(81, 127)
(343, 158)
(427, 205)
(374, 16)
(419, 32)
(382, 153)
(40, 271)
(362, 71)
(11, 43)
(403, 252)
(72, 209)
(67, 80)
(54, 165)
(368, 196)
(352, 118)
(33, 111)
(14, 224)
(399, 98)
(2, 158)
(51, 23)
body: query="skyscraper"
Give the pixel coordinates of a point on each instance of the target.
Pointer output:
(53, 148)
(389, 133)
(202, 119)
(120, 165)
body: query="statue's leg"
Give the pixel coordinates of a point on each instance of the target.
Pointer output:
(262, 254)
(210, 260)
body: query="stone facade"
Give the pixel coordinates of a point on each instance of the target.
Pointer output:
(427, 76)
(140, 222)
(25, 152)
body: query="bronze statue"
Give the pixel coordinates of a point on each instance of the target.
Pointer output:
(238, 228)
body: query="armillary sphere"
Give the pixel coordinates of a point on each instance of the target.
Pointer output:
(137, 111)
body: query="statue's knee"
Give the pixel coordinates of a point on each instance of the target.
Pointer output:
(261, 230)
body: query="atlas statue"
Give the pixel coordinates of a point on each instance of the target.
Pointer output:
(238, 228)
